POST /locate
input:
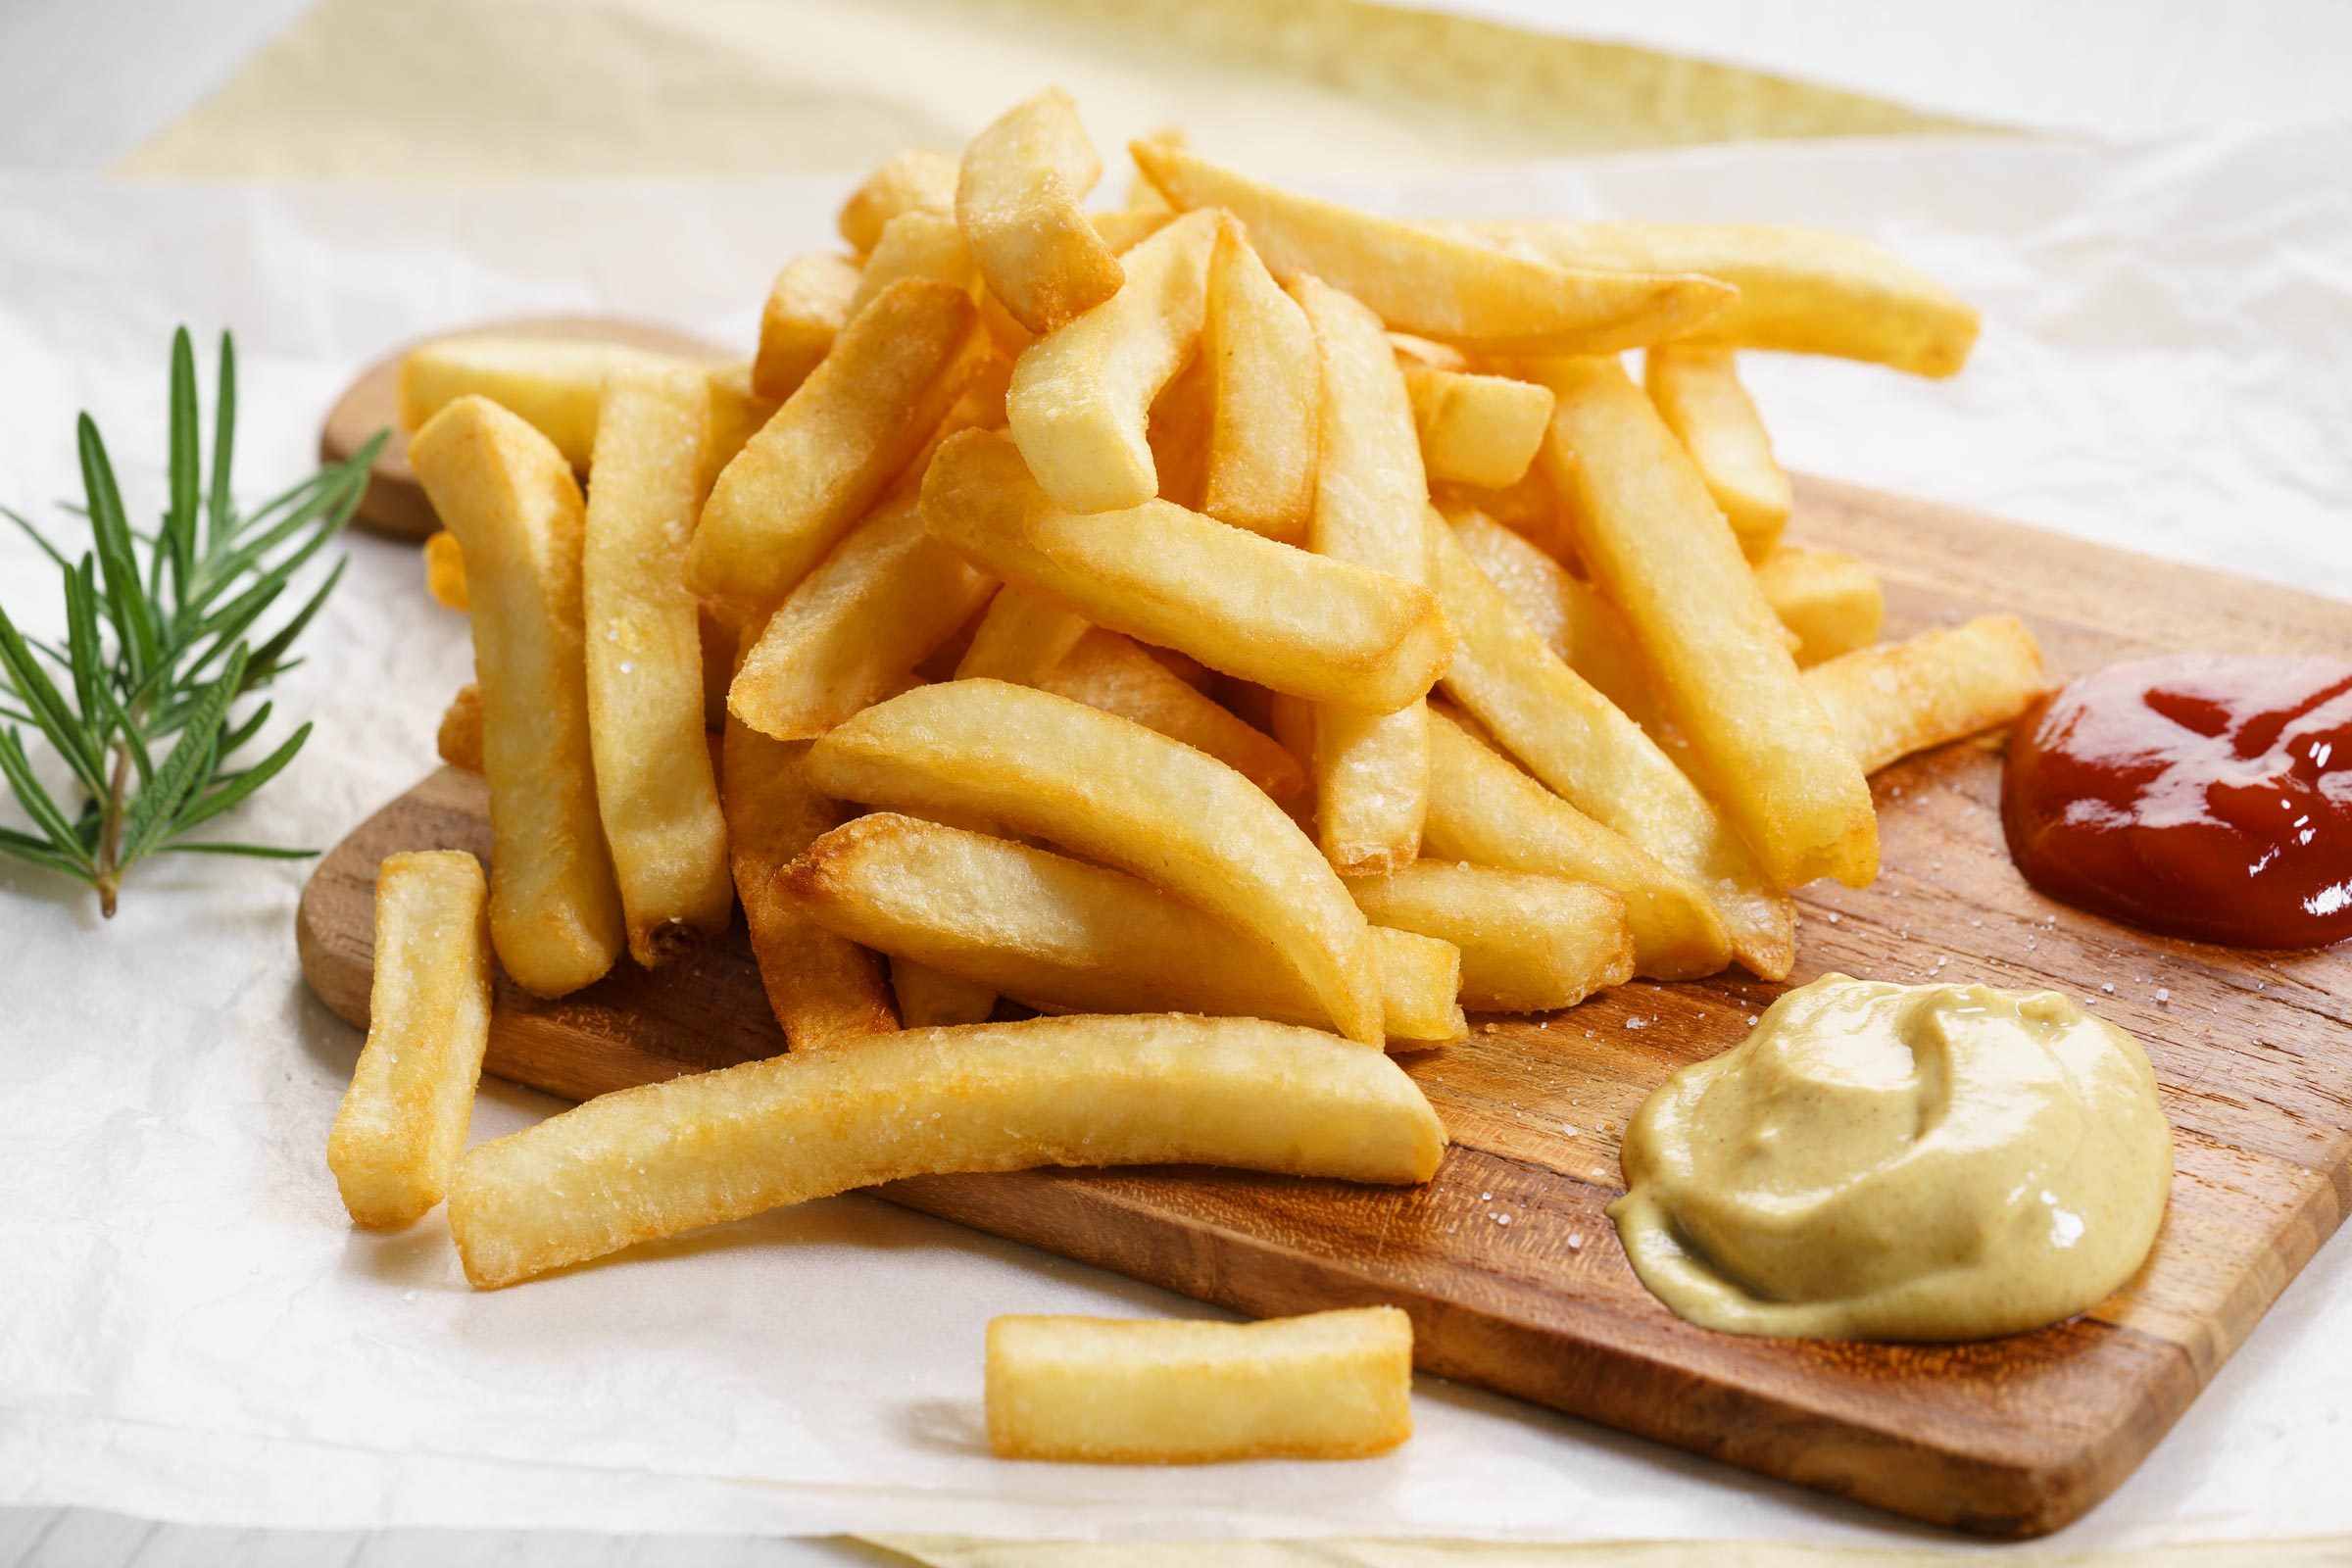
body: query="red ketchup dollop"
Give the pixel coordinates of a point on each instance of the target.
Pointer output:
(2204, 795)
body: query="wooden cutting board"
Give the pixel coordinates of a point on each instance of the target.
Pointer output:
(2010, 1436)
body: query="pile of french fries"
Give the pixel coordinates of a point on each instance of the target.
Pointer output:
(1239, 631)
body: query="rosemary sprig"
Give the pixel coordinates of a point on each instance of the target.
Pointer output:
(157, 650)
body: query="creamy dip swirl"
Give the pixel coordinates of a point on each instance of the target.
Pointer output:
(1899, 1163)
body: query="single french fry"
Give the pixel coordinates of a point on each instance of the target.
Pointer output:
(915, 244)
(919, 179)
(871, 610)
(1104, 670)
(739, 411)
(1437, 285)
(1899, 698)
(1480, 430)
(1698, 393)
(805, 311)
(1108, 1391)
(1801, 291)
(511, 499)
(1266, 386)
(1485, 812)
(797, 487)
(1582, 746)
(655, 791)
(1082, 394)
(1530, 942)
(1023, 177)
(1178, 432)
(1529, 507)
(1324, 629)
(1109, 788)
(445, 569)
(1370, 503)
(1020, 639)
(1656, 545)
(1062, 935)
(824, 990)
(403, 1121)
(551, 384)
(703, 1149)
(1427, 354)
(1124, 227)
(459, 740)
(932, 998)
(1830, 600)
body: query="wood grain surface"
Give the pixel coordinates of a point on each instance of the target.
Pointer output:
(2011, 1436)
(395, 502)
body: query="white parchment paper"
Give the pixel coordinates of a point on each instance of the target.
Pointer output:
(191, 1329)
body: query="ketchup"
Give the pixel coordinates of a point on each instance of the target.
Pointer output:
(2204, 795)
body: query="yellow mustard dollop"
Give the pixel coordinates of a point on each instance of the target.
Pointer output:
(1899, 1163)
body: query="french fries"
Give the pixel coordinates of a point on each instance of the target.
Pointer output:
(1327, 630)
(930, 998)
(1020, 639)
(1530, 942)
(1484, 810)
(1154, 1089)
(1326, 1386)
(1480, 430)
(1017, 203)
(1831, 600)
(644, 650)
(915, 244)
(872, 610)
(509, 498)
(1058, 933)
(1104, 670)
(805, 311)
(1656, 545)
(1801, 291)
(918, 180)
(551, 384)
(824, 991)
(445, 569)
(459, 740)
(1178, 432)
(1698, 393)
(1371, 768)
(1081, 395)
(1890, 700)
(1110, 789)
(1433, 284)
(1124, 227)
(1578, 743)
(403, 1121)
(1264, 390)
(799, 485)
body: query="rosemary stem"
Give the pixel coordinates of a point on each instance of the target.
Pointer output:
(110, 830)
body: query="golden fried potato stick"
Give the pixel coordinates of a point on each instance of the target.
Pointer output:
(1530, 942)
(1654, 542)
(915, 244)
(824, 990)
(459, 740)
(1124, 227)
(1266, 386)
(1063, 936)
(1110, 789)
(1802, 290)
(872, 610)
(655, 791)
(805, 311)
(1249, 606)
(1830, 600)
(1698, 393)
(1370, 503)
(932, 999)
(1438, 285)
(1081, 395)
(1899, 698)
(509, 496)
(1583, 747)
(815, 467)
(1106, 670)
(1023, 180)
(714, 1147)
(403, 1121)
(1427, 354)
(1020, 639)
(445, 569)
(1484, 810)
(1112, 1390)
(552, 384)
(1178, 432)
(918, 180)
(1480, 430)
(738, 411)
